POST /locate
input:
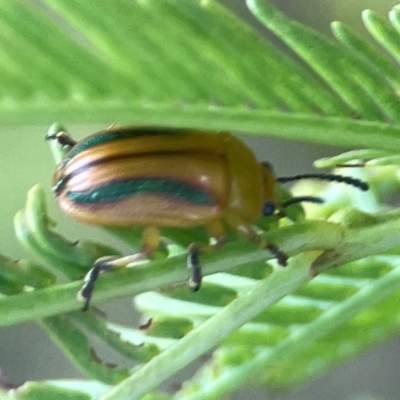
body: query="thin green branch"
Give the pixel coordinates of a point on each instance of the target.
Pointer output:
(159, 274)
(333, 131)
(126, 72)
(97, 326)
(131, 281)
(336, 66)
(375, 59)
(383, 31)
(210, 333)
(67, 336)
(240, 311)
(297, 341)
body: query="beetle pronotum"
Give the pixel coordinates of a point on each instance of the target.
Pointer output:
(163, 177)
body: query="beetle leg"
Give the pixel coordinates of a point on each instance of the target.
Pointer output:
(62, 138)
(252, 235)
(249, 231)
(150, 241)
(217, 232)
(194, 266)
(280, 256)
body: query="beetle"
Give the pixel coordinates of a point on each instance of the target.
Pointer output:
(155, 177)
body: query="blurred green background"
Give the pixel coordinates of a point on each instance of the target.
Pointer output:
(26, 353)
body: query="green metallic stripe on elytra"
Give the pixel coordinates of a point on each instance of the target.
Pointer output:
(122, 189)
(112, 135)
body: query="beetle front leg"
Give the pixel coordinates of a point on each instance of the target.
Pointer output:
(280, 256)
(150, 240)
(249, 231)
(252, 235)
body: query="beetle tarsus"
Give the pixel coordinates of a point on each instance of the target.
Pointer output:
(102, 264)
(62, 138)
(194, 265)
(86, 301)
(280, 256)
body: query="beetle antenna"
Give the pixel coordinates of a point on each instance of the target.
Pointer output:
(327, 177)
(269, 208)
(301, 199)
(358, 165)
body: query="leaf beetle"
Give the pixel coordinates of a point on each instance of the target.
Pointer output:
(156, 177)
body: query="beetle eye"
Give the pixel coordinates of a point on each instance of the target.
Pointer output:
(268, 209)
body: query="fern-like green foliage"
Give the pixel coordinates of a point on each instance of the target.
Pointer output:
(195, 64)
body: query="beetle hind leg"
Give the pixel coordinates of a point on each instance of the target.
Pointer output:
(101, 265)
(150, 240)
